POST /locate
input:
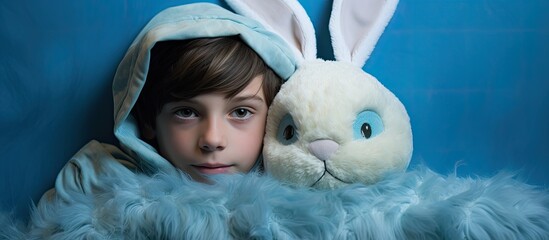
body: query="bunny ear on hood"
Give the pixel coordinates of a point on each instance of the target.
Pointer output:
(287, 18)
(356, 25)
(179, 23)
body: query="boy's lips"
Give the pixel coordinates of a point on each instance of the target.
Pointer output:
(212, 168)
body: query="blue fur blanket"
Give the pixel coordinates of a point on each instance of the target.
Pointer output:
(418, 204)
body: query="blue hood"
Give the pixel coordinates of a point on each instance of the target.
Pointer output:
(179, 23)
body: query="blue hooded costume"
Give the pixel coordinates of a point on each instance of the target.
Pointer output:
(191, 21)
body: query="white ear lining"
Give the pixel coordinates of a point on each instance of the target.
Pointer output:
(287, 18)
(356, 25)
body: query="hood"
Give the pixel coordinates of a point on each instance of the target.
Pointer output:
(179, 23)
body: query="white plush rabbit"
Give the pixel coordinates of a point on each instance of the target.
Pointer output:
(332, 124)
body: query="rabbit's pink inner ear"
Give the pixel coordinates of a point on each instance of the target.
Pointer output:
(358, 20)
(356, 26)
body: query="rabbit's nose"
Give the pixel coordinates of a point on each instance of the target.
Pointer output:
(323, 149)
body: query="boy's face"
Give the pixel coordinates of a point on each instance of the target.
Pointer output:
(210, 134)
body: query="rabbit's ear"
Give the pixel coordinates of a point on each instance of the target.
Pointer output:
(356, 25)
(287, 18)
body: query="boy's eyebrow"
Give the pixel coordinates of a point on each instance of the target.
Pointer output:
(189, 100)
(254, 97)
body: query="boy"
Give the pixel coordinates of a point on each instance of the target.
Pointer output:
(204, 104)
(200, 105)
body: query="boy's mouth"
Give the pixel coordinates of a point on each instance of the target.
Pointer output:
(212, 168)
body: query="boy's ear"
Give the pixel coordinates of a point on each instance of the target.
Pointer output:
(148, 132)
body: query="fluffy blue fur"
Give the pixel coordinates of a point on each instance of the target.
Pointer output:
(419, 204)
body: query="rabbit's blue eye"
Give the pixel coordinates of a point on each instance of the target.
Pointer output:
(367, 124)
(287, 131)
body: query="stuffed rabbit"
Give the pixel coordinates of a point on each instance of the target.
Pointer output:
(332, 124)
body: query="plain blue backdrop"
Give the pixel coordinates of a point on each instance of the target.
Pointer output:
(474, 76)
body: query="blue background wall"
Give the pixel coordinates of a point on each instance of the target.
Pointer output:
(473, 75)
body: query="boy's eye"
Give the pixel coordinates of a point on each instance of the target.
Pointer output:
(241, 113)
(186, 113)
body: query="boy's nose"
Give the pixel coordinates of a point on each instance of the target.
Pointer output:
(213, 136)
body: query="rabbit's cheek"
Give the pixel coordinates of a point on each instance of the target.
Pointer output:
(290, 164)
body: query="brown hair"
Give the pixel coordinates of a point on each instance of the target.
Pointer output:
(183, 69)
